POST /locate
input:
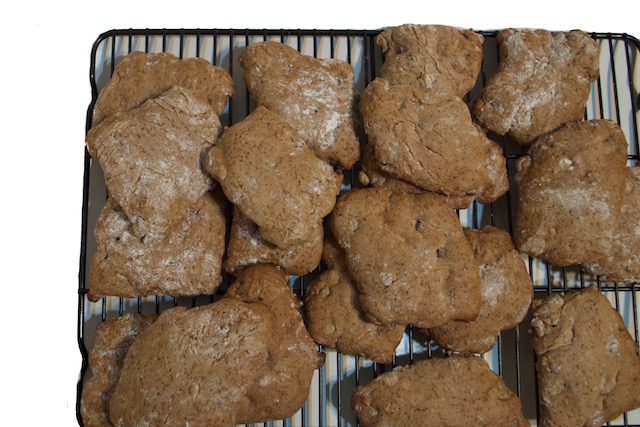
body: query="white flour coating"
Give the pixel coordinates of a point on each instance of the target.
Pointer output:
(579, 200)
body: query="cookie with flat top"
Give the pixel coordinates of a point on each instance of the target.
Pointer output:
(440, 57)
(141, 76)
(587, 363)
(408, 256)
(317, 96)
(543, 82)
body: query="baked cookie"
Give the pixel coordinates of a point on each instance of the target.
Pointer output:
(543, 81)
(112, 341)
(283, 384)
(408, 256)
(246, 247)
(570, 192)
(506, 294)
(142, 76)
(438, 57)
(187, 260)
(265, 169)
(452, 391)
(621, 263)
(371, 175)
(427, 138)
(588, 366)
(151, 158)
(334, 317)
(316, 96)
(193, 366)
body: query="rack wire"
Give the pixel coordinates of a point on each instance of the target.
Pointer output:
(614, 96)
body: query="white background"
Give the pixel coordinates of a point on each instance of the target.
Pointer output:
(44, 77)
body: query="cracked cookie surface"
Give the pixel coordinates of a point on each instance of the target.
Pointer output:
(588, 365)
(151, 158)
(335, 319)
(438, 57)
(408, 256)
(267, 171)
(543, 81)
(142, 76)
(427, 138)
(401, 397)
(316, 96)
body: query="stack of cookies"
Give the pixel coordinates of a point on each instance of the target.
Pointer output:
(393, 251)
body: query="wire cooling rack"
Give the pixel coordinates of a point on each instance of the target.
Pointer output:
(614, 96)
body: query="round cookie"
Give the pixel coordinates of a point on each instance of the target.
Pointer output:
(408, 256)
(506, 294)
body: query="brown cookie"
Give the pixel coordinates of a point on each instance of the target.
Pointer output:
(246, 247)
(316, 96)
(427, 138)
(283, 384)
(151, 158)
(438, 57)
(452, 391)
(506, 294)
(408, 256)
(543, 81)
(372, 175)
(142, 76)
(570, 192)
(193, 366)
(621, 263)
(187, 260)
(265, 169)
(112, 341)
(588, 366)
(335, 319)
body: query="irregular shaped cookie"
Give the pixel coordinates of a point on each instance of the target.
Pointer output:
(372, 175)
(588, 366)
(185, 261)
(151, 158)
(246, 247)
(543, 81)
(335, 319)
(316, 96)
(506, 294)
(193, 366)
(570, 192)
(408, 256)
(265, 169)
(427, 138)
(112, 341)
(438, 57)
(621, 263)
(283, 384)
(142, 76)
(465, 392)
